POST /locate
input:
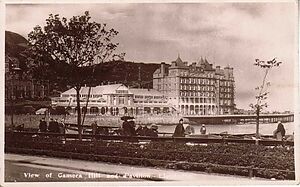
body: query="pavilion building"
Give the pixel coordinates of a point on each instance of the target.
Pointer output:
(114, 99)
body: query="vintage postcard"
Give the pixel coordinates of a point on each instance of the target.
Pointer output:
(149, 93)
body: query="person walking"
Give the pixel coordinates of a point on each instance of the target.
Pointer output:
(179, 130)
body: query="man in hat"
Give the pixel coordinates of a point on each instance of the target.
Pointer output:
(43, 125)
(51, 127)
(179, 130)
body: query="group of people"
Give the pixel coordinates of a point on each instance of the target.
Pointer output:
(53, 127)
(128, 129)
(180, 131)
(145, 131)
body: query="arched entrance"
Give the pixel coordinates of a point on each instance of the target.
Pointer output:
(94, 110)
(156, 110)
(125, 110)
(103, 110)
(197, 109)
(147, 110)
(166, 110)
(192, 109)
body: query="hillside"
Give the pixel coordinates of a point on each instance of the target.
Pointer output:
(116, 71)
(126, 73)
(15, 44)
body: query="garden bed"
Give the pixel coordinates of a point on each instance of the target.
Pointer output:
(235, 159)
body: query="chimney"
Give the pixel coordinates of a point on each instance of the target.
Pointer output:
(231, 72)
(162, 69)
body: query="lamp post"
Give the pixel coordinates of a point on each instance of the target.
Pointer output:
(13, 71)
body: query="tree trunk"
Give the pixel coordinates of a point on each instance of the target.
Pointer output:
(257, 122)
(78, 112)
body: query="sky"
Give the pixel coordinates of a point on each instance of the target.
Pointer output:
(233, 34)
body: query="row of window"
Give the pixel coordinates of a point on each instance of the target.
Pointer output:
(225, 89)
(121, 100)
(222, 95)
(81, 95)
(187, 74)
(197, 94)
(197, 87)
(75, 100)
(226, 83)
(147, 97)
(92, 101)
(196, 81)
(225, 102)
(198, 100)
(122, 91)
(150, 102)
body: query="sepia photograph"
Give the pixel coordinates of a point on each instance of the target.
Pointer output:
(150, 93)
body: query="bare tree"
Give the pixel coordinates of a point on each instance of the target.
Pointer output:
(69, 50)
(263, 89)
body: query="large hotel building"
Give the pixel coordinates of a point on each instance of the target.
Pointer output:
(195, 89)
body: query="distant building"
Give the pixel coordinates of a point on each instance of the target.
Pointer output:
(114, 99)
(19, 85)
(196, 89)
(244, 111)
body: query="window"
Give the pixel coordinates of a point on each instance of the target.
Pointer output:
(138, 96)
(121, 100)
(122, 91)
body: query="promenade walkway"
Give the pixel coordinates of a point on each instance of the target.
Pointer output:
(99, 171)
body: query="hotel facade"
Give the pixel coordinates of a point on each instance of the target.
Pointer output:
(196, 89)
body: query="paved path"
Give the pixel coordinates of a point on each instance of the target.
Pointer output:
(99, 171)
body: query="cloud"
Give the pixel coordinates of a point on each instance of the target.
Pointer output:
(232, 34)
(253, 9)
